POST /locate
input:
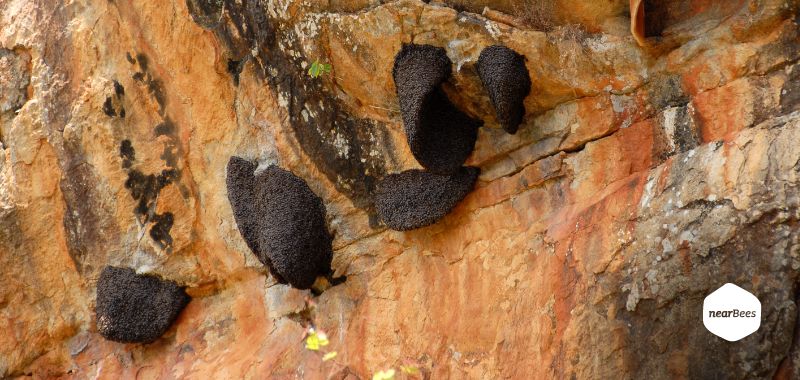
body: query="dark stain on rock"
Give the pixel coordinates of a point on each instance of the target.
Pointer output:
(686, 135)
(505, 77)
(282, 221)
(670, 327)
(162, 223)
(165, 128)
(763, 107)
(157, 91)
(89, 228)
(113, 104)
(145, 188)
(133, 308)
(656, 19)
(660, 15)
(16, 79)
(143, 61)
(108, 108)
(415, 198)
(440, 136)
(348, 150)
(127, 153)
(154, 85)
(206, 13)
(790, 93)
(170, 155)
(118, 89)
(667, 91)
(235, 69)
(82, 220)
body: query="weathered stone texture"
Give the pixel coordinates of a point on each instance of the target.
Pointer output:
(14, 79)
(640, 180)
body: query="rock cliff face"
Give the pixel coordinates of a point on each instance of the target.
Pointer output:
(641, 179)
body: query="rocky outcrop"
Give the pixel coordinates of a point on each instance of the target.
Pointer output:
(640, 179)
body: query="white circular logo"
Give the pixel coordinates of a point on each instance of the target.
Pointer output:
(731, 313)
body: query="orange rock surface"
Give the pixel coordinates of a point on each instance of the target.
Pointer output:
(641, 179)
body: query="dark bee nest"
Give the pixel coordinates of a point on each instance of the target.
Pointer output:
(133, 308)
(282, 221)
(416, 198)
(441, 137)
(506, 78)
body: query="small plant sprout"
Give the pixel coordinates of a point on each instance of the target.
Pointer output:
(318, 69)
(384, 375)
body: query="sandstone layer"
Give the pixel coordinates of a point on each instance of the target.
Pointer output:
(641, 179)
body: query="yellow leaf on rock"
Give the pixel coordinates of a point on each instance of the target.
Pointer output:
(315, 340)
(329, 356)
(384, 375)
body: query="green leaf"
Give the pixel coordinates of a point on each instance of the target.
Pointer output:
(315, 70)
(329, 356)
(384, 375)
(410, 369)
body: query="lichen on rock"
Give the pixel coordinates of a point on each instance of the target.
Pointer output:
(134, 308)
(14, 79)
(506, 78)
(281, 220)
(415, 198)
(441, 136)
(350, 150)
